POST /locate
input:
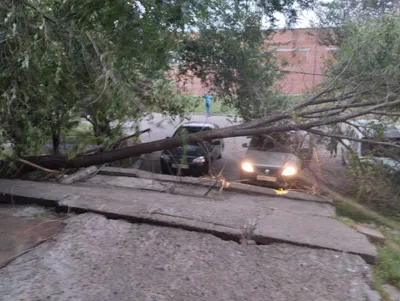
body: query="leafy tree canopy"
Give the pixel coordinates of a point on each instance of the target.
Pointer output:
(107, 61)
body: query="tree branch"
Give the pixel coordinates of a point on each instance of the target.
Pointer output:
(37, 166)
(164, 144)
(320, 133)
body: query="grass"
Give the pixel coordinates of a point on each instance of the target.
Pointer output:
(346, 207)
(82, 132)
(387, 267)
(361, 214)
(388, 264)
(217, 106)
(296, 98)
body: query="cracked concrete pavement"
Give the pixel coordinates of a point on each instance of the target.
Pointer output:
(277, 218)
(95, 258)
(100, 259)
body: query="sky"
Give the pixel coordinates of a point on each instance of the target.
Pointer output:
(305, 20)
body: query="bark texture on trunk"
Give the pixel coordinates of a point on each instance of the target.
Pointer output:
(56, 143)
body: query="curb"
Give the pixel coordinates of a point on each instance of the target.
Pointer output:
(216, 114)
(236, 187)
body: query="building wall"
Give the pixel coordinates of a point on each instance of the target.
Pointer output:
(300, 56)
(299, 53)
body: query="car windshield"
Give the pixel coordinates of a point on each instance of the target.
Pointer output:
(283, 142)
(191, 130)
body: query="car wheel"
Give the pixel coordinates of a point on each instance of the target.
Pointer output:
(164, 168)
(220, 156)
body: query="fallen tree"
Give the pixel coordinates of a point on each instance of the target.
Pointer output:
(361, 83)
(300, 118)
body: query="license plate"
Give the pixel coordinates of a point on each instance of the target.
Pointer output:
(181, 166)
(266, 178)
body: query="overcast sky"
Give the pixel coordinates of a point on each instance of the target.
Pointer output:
(306, 18)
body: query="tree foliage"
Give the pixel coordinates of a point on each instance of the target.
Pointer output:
(64, 60)
(107, 61)
(334, 17)
(368, 59)
(230, 54)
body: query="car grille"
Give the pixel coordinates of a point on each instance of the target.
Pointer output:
(273, 171)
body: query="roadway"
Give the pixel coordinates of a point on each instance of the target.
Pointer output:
(164, 127)
(326, 168)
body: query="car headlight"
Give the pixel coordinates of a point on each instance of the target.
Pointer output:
(247, 167)
(201, 159)
(289, 171)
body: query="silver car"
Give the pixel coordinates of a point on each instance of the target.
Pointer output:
(276, 158)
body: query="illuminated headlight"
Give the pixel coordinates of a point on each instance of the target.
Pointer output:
(201, 159)
(289, 171)
(247, 167)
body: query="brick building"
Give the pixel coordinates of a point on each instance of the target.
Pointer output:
(297, 52)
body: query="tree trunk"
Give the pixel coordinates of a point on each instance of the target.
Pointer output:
(101, 130)
(56, 142)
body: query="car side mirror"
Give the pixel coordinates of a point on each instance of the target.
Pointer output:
(245, 145)
(216, 142)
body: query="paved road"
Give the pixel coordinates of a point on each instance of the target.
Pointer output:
(326, 168)
(161, 128)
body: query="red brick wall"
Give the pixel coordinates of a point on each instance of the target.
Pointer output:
(298, 53)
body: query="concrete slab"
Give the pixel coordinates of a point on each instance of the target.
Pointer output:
(96, 259)
(20, 234)
(17, 191)
(231, 186)
(373, 234)
(316, 231)
(240, 187)
(281, 204)
(271, 203)
(223, 218)
(392, 291)
(130, 182)
(185, 212)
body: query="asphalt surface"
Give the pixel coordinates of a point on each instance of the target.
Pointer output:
(323, 168)
(161, 128)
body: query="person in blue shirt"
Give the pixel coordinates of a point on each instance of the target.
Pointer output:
(207, 101)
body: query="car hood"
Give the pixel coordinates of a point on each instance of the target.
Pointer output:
(270, 159)
(188, 150)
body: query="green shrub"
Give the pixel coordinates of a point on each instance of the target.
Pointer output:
(376, 186)
(388, 265)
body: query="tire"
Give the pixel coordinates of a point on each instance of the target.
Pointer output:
(164, 168)
(220, 156)
(344, 163)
